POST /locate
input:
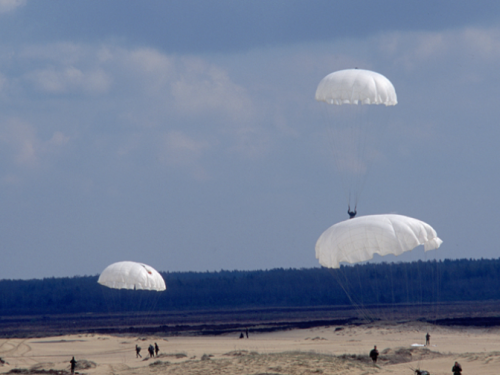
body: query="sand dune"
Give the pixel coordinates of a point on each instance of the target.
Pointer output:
(324, 350)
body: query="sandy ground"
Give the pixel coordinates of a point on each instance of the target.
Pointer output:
(325, 350)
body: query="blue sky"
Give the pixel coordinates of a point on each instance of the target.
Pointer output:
(185, 134)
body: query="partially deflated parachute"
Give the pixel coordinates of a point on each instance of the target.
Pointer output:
(356, 86)
(356, 240)
(131, 275)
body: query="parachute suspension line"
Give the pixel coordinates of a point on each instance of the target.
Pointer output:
(419, 291)
(360, 285)
(420, 294)
(330, 114)
(415, 286)
(438, 274)
(353, 150)
(392, 292)
(432, 268)
(361, 153)
(147, 305)
(344, 284)
(405, 266)
(360, 304)
(438, 287)
(347, 142)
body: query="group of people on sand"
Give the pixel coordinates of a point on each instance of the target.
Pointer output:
(456, 369)
(242, 335)
(152, 350)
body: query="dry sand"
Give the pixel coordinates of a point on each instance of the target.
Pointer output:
(323, 350)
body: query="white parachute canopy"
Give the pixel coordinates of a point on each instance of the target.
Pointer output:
(356, 86)
(131, 275)
(357, 240)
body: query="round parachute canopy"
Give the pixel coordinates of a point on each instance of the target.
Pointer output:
(132, 275)
(357, 240)
(356, 86)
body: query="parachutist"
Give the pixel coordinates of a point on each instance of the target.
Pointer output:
(352, 214)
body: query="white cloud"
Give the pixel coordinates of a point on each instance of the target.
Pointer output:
(59, 54)
(151, 68)
(3, 82)
(58, 139)
(10, 5)
(453, 47)
(150, 61)
(189, 86)
(483, 43)
(61, 68)
(26, 148)
(250, 142)
(201, 87)
(68, 79)
(180, 150)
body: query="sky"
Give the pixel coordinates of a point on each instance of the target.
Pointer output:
(185, 134)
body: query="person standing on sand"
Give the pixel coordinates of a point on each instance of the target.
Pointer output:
(427, 339)
(151, 351)
(157, 349)
(138, 351)
(73, 365)
(456, 369)
(374, 354)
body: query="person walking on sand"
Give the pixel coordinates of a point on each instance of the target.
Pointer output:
(73, 365)
(427, 339)
(374, 354)
(151, 351)
(456, 369)
(157, 349)
(138, 351)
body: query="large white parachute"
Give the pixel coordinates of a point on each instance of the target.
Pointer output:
(131, 275)
(357, 240)
(356, 86)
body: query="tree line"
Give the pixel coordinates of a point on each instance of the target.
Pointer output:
(367, 284)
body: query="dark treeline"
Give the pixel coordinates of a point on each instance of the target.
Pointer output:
(416, 282)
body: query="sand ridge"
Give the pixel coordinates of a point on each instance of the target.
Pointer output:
(322, 350)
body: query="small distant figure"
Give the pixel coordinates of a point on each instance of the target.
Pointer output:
(138, 351)
(246, 332)
(427, 339)
(456, 369)
(151, 351)
(374, 354)
(157, 349)
(352, 214)
(73, 365)
(242, 336)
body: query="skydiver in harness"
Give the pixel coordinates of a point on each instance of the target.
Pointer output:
(352, 214)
